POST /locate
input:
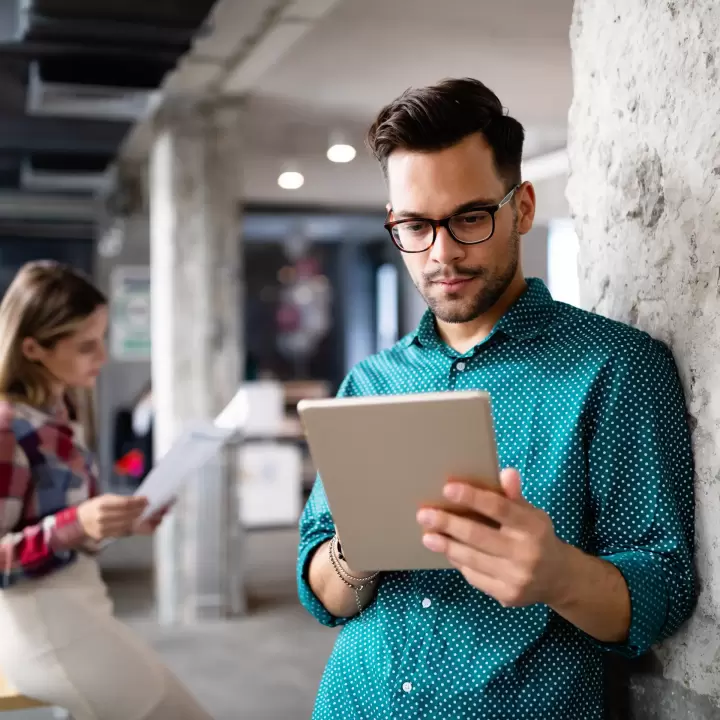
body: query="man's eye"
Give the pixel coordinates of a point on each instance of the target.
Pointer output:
(474, 218)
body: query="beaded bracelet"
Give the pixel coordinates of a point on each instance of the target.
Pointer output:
(346, 577)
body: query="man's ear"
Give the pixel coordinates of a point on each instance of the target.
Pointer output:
(526, 208)
(31, 349)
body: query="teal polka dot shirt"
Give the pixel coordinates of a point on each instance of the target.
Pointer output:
(592, 414)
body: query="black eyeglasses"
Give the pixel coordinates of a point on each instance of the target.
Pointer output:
(472, 227)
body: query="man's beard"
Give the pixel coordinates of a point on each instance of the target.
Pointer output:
(468, 309)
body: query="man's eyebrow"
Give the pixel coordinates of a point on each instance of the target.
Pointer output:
(465, 207)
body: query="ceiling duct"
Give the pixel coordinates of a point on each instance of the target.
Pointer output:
(66, 172)
(75, 76)
(32, 178)
(67, 99)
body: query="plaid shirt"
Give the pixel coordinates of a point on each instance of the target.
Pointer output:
(45, 473)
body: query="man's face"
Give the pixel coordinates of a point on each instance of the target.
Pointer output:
(459, 282)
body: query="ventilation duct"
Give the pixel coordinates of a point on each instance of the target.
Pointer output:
(70, 181)
(67, 99)
(74, 173)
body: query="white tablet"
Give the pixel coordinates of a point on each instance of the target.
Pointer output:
(383, 457)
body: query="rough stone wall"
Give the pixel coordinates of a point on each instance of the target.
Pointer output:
(644, 191)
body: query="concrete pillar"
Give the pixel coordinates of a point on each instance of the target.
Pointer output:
(645, 194)
(197, 345)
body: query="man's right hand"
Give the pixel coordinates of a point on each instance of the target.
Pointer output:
(110, 516)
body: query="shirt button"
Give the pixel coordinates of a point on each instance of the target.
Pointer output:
(407, 687)
(427, 602)
(460, 366)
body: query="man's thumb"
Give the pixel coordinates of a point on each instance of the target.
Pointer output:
(511, 485)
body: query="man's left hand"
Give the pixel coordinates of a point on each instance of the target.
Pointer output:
(520, 562)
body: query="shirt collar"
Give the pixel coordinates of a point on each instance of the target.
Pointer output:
(527, 318)
(425, 334)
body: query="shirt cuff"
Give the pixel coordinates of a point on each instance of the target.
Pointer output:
(68, 532)
(644, 574)
(308, 598)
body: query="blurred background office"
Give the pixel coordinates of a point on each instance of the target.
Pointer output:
(204, 162)
(140, 141)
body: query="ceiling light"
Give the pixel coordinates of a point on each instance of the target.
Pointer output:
(339, 149)
(341, 153)
(291, 180)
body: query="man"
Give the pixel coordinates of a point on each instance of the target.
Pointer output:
(592, 546)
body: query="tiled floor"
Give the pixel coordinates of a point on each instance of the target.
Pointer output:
(265, 666)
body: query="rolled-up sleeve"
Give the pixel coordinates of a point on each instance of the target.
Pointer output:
(317, 527)
(641, 484)
(29, 550)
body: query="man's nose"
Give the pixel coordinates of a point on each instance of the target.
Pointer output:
(446, 250)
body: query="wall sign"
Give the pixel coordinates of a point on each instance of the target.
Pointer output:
(130, 313)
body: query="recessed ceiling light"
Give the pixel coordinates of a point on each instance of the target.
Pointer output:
(291, 180)
(341, 153)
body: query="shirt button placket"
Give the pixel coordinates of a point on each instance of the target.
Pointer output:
(457, 367)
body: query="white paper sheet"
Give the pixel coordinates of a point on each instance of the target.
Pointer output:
(189, 453)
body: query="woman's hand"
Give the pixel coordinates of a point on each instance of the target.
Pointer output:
(152, 523)
(110, 516)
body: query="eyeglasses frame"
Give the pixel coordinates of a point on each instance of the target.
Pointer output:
(445, 222)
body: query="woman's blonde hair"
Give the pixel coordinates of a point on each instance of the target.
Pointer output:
(46, 301)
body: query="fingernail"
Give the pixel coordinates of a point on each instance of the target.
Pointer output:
(452, 491)
(426, 517)
(434, 543)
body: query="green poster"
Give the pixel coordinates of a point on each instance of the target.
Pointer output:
(130, 314)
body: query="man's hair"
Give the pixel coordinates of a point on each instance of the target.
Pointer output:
(439, 116)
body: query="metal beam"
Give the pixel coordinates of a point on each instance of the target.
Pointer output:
(24, 134)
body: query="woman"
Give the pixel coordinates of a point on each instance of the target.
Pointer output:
(59, 642)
